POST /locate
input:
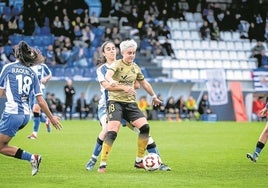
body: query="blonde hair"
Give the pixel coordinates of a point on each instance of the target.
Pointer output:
(128, 44)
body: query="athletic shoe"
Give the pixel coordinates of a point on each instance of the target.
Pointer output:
(91, 163)
(32, 136)
(35, 162)
(253, 157)
(102, 169)
(138, 165)
(164, 167)
(48, 125)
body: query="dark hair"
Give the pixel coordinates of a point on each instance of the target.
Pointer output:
(27, 55)
(101, 59)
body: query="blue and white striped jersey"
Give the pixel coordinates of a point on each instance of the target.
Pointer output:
(41, 71)
(18, 81)
(101, 71)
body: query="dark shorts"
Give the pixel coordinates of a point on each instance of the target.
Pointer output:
(123, 110)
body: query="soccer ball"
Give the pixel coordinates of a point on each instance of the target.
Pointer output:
(151, 161)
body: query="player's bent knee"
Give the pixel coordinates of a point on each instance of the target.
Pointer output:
(145, 129)
(111, 136)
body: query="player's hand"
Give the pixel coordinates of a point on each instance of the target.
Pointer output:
(156, 101)
(56, 122)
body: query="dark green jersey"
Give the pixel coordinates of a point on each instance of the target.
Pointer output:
(126, 75)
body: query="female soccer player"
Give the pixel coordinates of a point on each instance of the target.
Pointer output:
(262, 139)
(17, 81)
(109, 54)
(122, 104)
(44, 75)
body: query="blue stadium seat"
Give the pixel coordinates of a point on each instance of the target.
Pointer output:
(48, 39)
(90, 73)
(38, 40)
(145, 72)
(45, 30)
(28, 39)
(59, 72)
(15, 39)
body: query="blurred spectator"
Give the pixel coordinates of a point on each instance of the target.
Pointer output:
(168, 48)
(228, 22)
(50, 56)
(257, 106)
(243, 28)
(252, 32)
(172, 110)
(94, 106)
(181, 105)
(66, 26)
(205, 31)
(20, 23)
(203, 106)
(79, 57)
(115, 33)
(94, 20)
(256, 52)
(107, 34)
(215, 32)
(69, 91)
(87, 36)
(77, 36)
(82, 106)
(3, 35)
(143, 105)
(191, 106)
(12, 25)
(77, 22)
(264, 59)
(57, 26)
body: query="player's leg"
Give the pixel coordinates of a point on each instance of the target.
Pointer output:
(9, 125)
(151, 145)
(36, 121)
(115, 111)
(44, 119)
(259, 145)
(143, 137)
(98, 145)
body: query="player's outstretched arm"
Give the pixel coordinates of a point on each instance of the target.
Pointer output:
(148, 87)
(55, 120)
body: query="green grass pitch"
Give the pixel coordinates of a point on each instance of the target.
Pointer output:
(201, 154)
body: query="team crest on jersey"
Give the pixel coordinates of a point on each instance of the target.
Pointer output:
(133, 70)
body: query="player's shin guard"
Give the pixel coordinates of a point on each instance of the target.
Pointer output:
(43, 118)
(151, 146)
(98, 147)
(36, 120)
(107, 145)
(143, 140)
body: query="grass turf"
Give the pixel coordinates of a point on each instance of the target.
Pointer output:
(200, 154)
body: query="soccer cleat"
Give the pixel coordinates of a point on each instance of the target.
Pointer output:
(164, 167)
(139, 165)
(48, 125)
(253, 157)
(35, 162)
(32, 136)
(91, 163)
(102, 169)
